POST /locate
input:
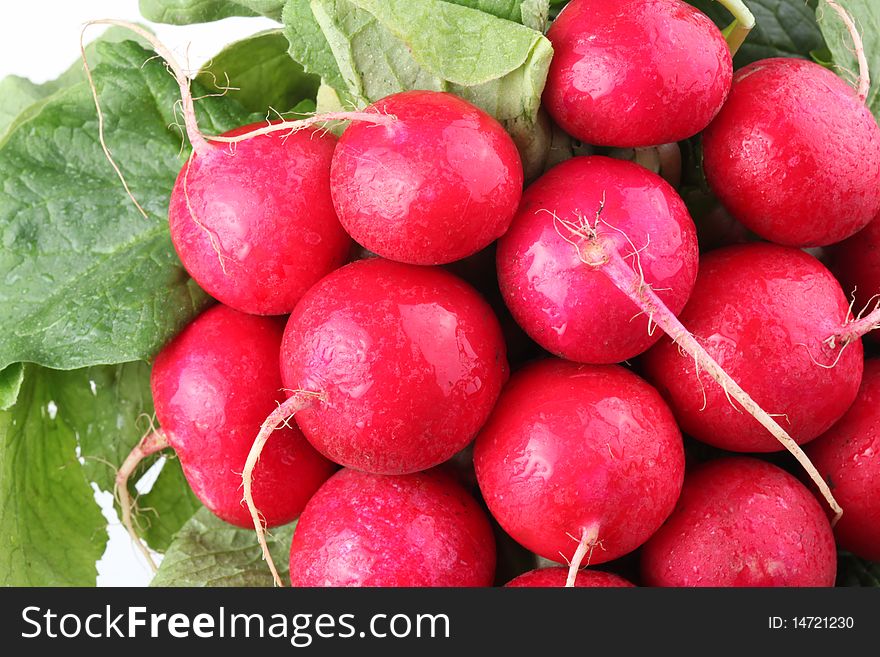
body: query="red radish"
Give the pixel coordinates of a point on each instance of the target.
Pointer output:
(596, 245)
(848, 456)
(579, 461)
(795, 154)
(636, 72)
(255, 226)
(251, 220)
(856, 263)
(765, 314)
(420, 529)
(403, 365)
(742, 522)
(438, 184)
(212, 386)
(556, 577)
(576, 311)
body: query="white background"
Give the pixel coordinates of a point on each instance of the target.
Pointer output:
(40, 40)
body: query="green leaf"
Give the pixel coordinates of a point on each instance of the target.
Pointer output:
(784, 28)
(184, 12)
(499, 64)
(109, 409)
(87, 279)
(866, 16)
(10, 383)
(51, 530)
(210, 552)
(262, 74)
(168, 505)
(852, 571)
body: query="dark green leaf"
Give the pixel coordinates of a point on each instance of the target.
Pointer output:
(784, 28)
(866, 16)
(210, 552)
(51, 530)
(262, 74)
(184, 12)
(87, 279)
(852, 571)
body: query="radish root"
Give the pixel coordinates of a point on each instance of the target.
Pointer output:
(602, 254)
(589, 539)
(300, 400)
(855, 329)
(864, 80)
(154, 441)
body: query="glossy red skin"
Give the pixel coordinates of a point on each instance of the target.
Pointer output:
(420, 529)
(848, 457)
(411, 361)
(556, 577)
(269, 210)
(794, 154)
(574, 310)
(436, 185)
(570, 446)
(742, 522)
(213, 386)
(856, 263)
(763, 313)
(635, 72)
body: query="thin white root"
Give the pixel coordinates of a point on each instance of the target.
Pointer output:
(153, 442)
(301, 399)
(864, 83)
(586, 545)
(603, 255)
(631, 284)
(300, 124)
(189, 115)
(854, 330)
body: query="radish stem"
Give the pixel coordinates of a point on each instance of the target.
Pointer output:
(743, 22)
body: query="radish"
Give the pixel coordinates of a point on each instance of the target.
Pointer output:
(848, 456)
(765, 313)
(391, 368)
(556, 577)
(438, 184)
(585, 200)
(795, 154)
(579, 457)
(576, 311)
(420, 529)
(251, 216)
(742, 522)
(212, 386)
(856, 263)
(638, 72)
(255, 227)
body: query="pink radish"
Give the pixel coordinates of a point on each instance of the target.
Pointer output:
(420, 529)
(765, 314)
(391, 368)
(251, 215)
(742, 522)
(795, 154)
(637, 72)
(438, 184)
(255, 227)
(597, 246)
(212, 386)
(848, 456)
(579, 463)
(856, 263)
(576, 311)
(556, 577)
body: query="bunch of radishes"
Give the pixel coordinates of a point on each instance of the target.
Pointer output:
(390, 366)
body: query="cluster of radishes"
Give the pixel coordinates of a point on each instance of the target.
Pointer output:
(390, 366)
